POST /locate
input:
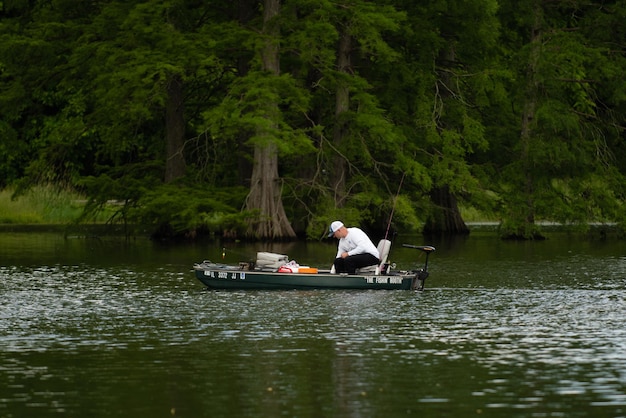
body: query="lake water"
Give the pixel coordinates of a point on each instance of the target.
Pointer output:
(106, 328)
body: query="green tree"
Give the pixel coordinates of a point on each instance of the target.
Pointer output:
(346, 47)
(562, 153)
(257, 113)
(436, 95)
(265, 191)
(44, 137)
(307, 87)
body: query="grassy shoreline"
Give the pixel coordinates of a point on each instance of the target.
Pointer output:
(51, 210)
(41, 205)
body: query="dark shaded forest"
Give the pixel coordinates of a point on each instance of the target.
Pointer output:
(268, 119)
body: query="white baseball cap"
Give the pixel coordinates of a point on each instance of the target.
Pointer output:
(334, 227)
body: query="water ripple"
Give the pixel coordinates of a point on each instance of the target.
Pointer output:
(496, 347)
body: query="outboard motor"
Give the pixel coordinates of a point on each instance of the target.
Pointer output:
(422, 274)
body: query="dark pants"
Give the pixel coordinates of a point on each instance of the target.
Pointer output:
(352, 262)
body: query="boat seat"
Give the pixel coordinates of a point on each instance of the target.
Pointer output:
(384, 245)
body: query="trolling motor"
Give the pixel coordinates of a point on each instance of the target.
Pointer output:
(422, 274)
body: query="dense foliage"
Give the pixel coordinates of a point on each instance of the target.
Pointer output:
(267, 118)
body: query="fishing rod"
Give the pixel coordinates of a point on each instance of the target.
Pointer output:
(393, 207)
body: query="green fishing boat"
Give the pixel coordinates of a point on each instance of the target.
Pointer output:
(263, 275)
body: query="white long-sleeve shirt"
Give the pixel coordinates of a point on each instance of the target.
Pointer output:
(356, 242)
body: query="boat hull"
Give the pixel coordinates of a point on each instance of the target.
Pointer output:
(224, 278)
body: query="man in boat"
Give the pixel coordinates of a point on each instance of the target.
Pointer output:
(355, 249)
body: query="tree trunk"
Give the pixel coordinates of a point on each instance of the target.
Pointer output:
(447, 217)
(342, 105)
(245, 12)
(523, 224)
(265, 196)
(175, 130)
(530, 107)
(265, 192)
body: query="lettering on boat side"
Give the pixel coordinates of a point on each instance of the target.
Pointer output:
(383, 280)
(225, 275)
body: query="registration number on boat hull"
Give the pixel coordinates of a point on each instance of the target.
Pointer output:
(225, 275)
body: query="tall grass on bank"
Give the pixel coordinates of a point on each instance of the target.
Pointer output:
(41, 205)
